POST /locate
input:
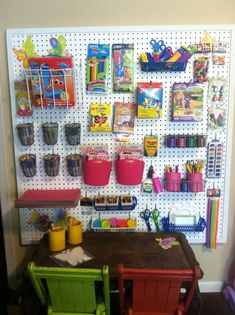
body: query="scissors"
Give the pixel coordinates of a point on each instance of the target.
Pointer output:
(157, 46)
(145, 215)
(154, 216)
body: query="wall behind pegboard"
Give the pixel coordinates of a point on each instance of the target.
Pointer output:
(77, 40)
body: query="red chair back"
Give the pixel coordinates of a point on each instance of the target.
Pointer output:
(155, 292)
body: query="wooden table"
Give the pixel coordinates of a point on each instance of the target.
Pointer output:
(133, 249)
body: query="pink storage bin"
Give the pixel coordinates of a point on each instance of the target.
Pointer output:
(96, 172)
(172, 180)
(195, 182)
(129, 172)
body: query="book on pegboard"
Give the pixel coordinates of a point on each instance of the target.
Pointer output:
(187, 102)
(52, 80)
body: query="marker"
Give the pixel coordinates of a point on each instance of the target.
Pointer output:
(93, 70)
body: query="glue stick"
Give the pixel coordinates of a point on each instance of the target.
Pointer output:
(157, 185)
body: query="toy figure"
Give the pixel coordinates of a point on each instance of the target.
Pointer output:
(187, 100)
(26, 52)
(56, 83)
(167, 242)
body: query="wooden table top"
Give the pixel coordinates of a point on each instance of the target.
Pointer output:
(133, 249)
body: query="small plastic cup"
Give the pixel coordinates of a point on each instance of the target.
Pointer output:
(73, 133)
(50, 133)
(52, 164)
(26, 133)
(28, 164)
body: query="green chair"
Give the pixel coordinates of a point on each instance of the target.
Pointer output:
(72, 291)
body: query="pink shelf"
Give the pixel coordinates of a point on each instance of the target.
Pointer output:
(66, 198)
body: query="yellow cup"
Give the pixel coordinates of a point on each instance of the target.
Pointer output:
(56, 238)
(75, 233)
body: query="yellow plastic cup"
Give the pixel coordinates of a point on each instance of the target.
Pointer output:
(56, 238)
(75, 233)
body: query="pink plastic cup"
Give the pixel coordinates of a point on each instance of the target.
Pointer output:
(173, 180)
(195, 182)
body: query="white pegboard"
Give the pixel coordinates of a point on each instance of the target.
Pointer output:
(77, 40)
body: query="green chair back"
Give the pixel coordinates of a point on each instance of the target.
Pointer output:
(72, 290)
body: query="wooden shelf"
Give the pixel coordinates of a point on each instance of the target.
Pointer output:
(66, 198)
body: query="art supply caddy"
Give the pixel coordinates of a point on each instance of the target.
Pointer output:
(126, 105)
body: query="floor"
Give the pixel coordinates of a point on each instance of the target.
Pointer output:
(24, 301)
(215, 304)
(27, 304)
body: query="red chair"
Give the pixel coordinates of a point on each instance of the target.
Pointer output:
(155, 291)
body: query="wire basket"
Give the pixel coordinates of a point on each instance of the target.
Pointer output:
(185, 185)
(119, 207)
(198, 227)
(111, 223)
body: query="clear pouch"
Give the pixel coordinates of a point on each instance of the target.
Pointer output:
(97, 68)
(71, 257)
(123, 67)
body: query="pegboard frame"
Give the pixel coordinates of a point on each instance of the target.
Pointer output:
(130, 32)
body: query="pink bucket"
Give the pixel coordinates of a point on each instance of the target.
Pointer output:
(173, 180)
(129, 172)
(96, 172)
(195, 182)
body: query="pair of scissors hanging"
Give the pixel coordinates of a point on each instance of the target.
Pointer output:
(160, 50)
(146, 215)
(157, 46)
(155, 217)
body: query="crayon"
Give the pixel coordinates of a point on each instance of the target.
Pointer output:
(93, 71)
(102, 65)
